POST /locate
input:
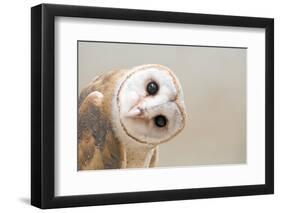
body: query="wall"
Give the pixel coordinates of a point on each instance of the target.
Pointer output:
(15, 106)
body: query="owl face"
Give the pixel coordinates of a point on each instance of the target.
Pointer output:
(150, 105)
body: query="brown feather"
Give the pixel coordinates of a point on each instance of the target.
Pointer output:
(98, 148)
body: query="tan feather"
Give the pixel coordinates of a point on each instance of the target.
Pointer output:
(97, 146)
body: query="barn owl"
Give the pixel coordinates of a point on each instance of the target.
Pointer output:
(124, 115)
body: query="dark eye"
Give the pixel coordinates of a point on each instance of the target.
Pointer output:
(152, 88)
(160, 121)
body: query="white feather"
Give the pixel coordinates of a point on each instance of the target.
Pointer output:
(133, 109)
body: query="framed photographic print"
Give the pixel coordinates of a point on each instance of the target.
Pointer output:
(140, 106)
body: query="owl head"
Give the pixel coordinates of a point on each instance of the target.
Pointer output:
(148, 105)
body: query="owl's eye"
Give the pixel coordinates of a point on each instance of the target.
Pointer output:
(160, 121)
(152, 88)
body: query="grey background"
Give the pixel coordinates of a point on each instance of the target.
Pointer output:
(214, 85)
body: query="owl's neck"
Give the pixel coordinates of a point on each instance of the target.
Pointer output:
(139, 155)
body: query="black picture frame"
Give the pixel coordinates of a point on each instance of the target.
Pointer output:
(43, 102)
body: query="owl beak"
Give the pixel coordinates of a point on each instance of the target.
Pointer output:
(134, 112)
